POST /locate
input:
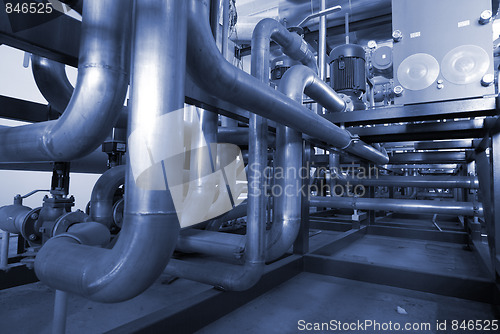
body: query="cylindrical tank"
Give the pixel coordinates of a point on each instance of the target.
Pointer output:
(347, 69)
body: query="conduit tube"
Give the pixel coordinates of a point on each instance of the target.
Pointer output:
(52, 81)
(150, 226)
(468, 182)
(97, 99)
(221, 79)
(398, 205)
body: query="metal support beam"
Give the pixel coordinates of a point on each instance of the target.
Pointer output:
(422, 131)
(418, 112)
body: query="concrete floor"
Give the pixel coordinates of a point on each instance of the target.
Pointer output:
(318, 298)
(429, 256)
(28, 309)
(309, 297)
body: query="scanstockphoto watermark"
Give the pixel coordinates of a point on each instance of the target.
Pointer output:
(290, 181)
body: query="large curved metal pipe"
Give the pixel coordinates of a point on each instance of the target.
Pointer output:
(296, 82)
(220, 78)
(52, 81)
(399, 205)
(294, 46)
(97, 99)
(291, 44)
(150, 226)
(101, 200)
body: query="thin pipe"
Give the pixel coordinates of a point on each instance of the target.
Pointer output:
(60, 312)
(225, 28)
(399, 205)
(150, 227)
(322, 42)
(221, 79)
(52, 81)
(4, 257)
(97, 99)
(414, 181)
(347, 28)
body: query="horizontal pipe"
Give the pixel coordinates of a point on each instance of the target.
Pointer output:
(211, 243)
(95, 163)
(95, 104)
(398, 205)
(240, 136)
(223, 80)
(468, 182)
(12, 217)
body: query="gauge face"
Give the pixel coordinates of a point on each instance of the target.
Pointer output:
(465, 64)
(418, 71)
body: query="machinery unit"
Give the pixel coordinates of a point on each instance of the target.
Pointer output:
(348, 72)
(442, 50)
(223, 152)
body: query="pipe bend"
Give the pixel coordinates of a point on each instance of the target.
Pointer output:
(97, 98)
(233, 278)
(52, 81)
(291, 43)
(150, 226)
(101, 200)
(110, 275)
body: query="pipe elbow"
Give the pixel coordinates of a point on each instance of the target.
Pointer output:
(101, 200)
(51, 80)
(243, 279)
(110, 275)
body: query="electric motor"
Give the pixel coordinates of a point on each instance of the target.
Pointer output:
(347, 66)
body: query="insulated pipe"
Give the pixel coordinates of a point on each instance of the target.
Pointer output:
(398, 205)
(415, 181)
(52, 81)
(150, 226)
(97, 99)
(223, 80)
(101, 200)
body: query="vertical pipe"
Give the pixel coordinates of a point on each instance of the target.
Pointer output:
(322, 50)
(150, 225)
(4, 257)
(347, 28)
(60, 312)
(322, 42)
(225, 28)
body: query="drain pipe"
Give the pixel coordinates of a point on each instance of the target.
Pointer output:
(52, 81)
(150, 225)
(221, 79)
(96, 101)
